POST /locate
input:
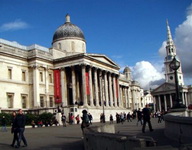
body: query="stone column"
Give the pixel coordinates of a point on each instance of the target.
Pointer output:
(101, 88)
(134, 98)
(171, 101)
(118, 92)
(36, 95)
(120, 96)
(183, 98)
(47, 86)
(159, 98)
(90, 87)
(186, 100)
(126, 101)
(106, 90)
(165, 102)
(73, 84)
(114, 91)
(96, 87)
(154, 104)
(84, 86)
(63, 87)
(110, 91)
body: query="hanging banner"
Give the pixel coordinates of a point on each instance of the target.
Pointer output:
(57, 86)
(87, 83)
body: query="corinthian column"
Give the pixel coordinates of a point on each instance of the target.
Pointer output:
(73, 84)
(63, 87)
(114, 91)
(96, 87)
(36, 95)
(84, 86)
(106, 90)
(90, 87)
(110, 91)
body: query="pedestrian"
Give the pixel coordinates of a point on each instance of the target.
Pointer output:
(129, 117)
(77, 119)
(20, 121)
(111, 119)
(139, 117)
(146, 118)
(14, 129)
(63, 119)
(85, 120)
(90, 118)
(159, 116)
(3, 122)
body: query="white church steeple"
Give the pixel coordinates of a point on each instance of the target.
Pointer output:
(170, 54)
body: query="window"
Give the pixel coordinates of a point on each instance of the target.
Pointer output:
(9, 73)
(59, 45)
(10, 100)
(50, 78)
(41, 76)
(24, 101)
(23, 75)
(41, 101)
(73, 46)
(51, 101)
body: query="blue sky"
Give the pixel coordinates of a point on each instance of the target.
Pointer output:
(130, 32)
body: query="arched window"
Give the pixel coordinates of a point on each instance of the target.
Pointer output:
(73, 46)
(59, 45)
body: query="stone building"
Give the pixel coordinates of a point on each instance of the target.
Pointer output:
(164, 96)
(65, 76)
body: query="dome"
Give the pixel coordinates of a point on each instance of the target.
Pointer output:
(68, 30)
(127, 69)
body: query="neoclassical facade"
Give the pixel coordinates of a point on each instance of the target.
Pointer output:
(164, 96)
(40, 79)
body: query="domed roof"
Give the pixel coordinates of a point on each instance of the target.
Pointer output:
(68, 30)
(127, 69)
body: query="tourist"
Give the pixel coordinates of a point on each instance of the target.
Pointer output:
(111, 118)
(85, 120)
(3, 121)
(146, 118)
(139, 117)
(129, 117)
(77, 118)
(90, 118)
(20, 121)
(63, 119)
(13, 129)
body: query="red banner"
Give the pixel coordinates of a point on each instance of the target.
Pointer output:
(87, 83)
(57, 86)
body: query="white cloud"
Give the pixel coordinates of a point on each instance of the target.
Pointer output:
(16, 25)
(146, 74)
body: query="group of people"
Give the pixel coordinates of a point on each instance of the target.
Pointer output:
(18, 128)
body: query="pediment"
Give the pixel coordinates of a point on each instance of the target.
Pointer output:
(103, 58)
(165, 87)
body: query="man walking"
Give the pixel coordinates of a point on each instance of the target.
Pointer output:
(20, 125)
(146, 118)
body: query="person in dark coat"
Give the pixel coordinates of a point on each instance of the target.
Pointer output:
(146, 118)
(13, 129)
(20, 121)
(85, 120)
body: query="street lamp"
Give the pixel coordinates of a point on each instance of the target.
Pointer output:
(174, 65)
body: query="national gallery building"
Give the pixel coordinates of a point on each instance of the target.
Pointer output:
(65, 76)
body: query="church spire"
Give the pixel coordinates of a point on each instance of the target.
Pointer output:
(170, 48)
(169, 37)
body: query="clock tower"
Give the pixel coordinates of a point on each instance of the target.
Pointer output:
(170, 54)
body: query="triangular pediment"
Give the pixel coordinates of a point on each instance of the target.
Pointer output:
(103, 58)
(164, 88)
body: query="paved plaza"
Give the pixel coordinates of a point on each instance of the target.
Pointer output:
(70, 137)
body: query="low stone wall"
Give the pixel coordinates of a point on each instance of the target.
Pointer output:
(103, 138)
(178, 128)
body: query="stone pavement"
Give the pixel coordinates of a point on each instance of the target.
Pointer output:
(70, 137)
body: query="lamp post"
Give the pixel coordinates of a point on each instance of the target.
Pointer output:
(175, 64)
